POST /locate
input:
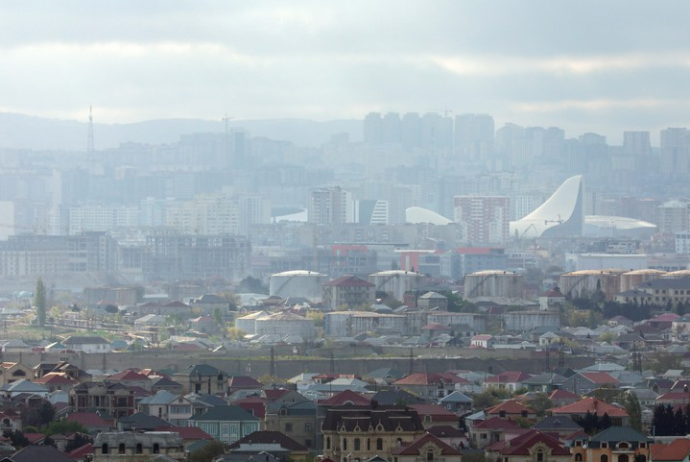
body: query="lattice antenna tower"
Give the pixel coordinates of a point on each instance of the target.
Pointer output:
(90, 148)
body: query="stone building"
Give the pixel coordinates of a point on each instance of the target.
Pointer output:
(137, 447)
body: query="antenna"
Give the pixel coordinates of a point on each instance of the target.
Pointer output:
(90, 149)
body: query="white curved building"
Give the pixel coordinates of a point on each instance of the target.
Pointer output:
(562, 215)
(604, 225)
(421, 215)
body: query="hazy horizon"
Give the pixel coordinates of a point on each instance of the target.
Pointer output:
(583, 66)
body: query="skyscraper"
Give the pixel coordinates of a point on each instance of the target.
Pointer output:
(474, 136)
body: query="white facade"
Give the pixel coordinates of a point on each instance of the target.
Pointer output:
(286, 324)
(101, 218)
(307, 284)
(247, 324)
(207, 214)
(350, 323)
(522, 321)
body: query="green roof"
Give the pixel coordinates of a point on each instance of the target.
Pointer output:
(225, 413)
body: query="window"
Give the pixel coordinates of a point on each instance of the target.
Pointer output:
(307, 427)
(139, 449)
(104, 448)
(156, 448)
(430, 455)
(288, 427)
(578, 457)
(368, 444)
(540, 455)
(344, 444)
(358, 444)
(604, 458)
(328, 442)
(308, 443)
(121, 448)
(379, 444)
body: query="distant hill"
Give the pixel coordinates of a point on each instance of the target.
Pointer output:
(29, 132)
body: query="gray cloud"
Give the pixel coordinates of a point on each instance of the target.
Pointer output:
(569, 63)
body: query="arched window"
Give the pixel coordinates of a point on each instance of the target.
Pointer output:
(604, 458)
(358, 445)
(121, 448)
(578, 457)
(328, 442)
(156, 448)
(379, 444)
(399, 442)
(104, 448)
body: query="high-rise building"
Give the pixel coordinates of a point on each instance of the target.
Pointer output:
(484, 219)
(328, 206)
(474, 136)
(675, 151)
(373, 127)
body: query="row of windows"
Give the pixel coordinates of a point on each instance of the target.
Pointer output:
(357, 444)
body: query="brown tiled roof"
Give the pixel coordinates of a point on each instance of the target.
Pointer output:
(187, 433)
(521, 445)
(676, 450)
(346, 396)
(494, 423)
(391, 418)
(591, 405)
(415, 447)
(270, 437)
(509, 407)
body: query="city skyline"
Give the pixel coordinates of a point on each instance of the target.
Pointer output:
(577, 65)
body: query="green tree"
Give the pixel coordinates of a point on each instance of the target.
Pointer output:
(208, 452)
(40, 415)
(634, 410)
(218, 316)
(540, 403)
(40, 302)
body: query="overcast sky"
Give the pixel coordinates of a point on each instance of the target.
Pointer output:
(599, 66)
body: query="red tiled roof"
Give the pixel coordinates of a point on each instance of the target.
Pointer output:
(600, 378)
(591, 405)
(674, 451)
(253, 404)
(273, 394)
(88, 419)
(509, 407)
(56, 378)
(34, 437)
(563, 394)
(346, 396)
(429, 379)
(187, 433)
(494, 423)
(415, 447)
(437, 413)
(522, 444)
(81, 452)
(128, 374)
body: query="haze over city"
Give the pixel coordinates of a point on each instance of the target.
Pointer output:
(307, 231)
(580, 65)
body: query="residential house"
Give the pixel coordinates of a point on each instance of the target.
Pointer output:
(358, 433)
(530, 446)
(482, 341)
(114, 399)
(274, 442)
(12, 371)
(112, 446)
(579, 409)
(456, 402)
(562, 425)
(426, 448)
(545, 383)
(56, 381)
(226, 424)
(430, 386)
(131, 378)
(349, 291)
(490, 431)
(510, 381)
(202, 379)
(585, 382)
(87, 344)
(174, 409)
(511, 409)
(433, 415)
(615, 444)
